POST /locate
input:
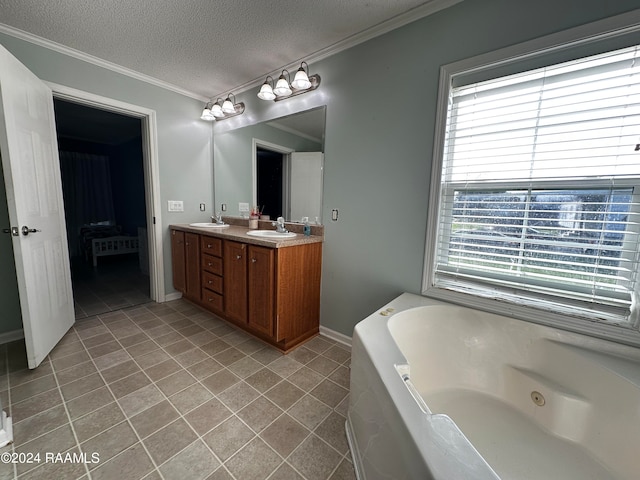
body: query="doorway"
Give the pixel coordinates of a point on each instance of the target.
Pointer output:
(270, 180)
(101, 162)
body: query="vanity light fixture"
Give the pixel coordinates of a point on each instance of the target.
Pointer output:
(266, 91)
(284, 88)
(217, 111)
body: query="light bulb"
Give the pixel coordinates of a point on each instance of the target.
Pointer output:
(301, 80)
(266, 92)
(227, 106)
(216, 110)
(207, 115)
(282, 87)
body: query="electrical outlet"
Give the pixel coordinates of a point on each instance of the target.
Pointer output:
(243, 207)
(334, 214)
(176, 206)
(224, 207)
(203, 207)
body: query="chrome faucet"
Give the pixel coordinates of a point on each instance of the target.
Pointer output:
(217, 218)
(279, 224)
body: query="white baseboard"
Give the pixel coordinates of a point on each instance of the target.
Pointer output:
(337, 336)
(11, 336)
(169, 297)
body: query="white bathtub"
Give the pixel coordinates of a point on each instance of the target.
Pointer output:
(488, 397)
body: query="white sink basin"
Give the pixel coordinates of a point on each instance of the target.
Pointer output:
(208, 225)
(270, 234)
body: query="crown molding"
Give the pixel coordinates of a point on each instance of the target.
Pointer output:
(72, 52)
(398, 21)
(412, 15)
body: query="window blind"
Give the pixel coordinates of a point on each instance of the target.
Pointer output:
(540, 186)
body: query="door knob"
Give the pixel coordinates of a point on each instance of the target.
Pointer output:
(26, 230)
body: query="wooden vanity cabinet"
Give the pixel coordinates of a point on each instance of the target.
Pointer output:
(235, 282)
(273, 293)
(261, 291)
(185, 253)
(212, 273)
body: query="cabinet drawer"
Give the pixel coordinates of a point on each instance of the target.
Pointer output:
(210, 245)
(212, 264)
(212, 300)
(212, 282)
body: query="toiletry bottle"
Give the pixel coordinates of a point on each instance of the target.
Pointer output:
(253, 218)
(307, 228)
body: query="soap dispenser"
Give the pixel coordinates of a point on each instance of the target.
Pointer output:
(307, 228)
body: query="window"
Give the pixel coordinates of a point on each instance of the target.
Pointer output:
(536, 203)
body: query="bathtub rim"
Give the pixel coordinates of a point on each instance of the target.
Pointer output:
(467, 461)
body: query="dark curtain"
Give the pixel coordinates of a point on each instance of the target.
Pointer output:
(88, 197)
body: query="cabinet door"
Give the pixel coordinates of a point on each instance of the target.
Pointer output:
(192, 260)
(177, 261)
(261, 289)
(235, 281)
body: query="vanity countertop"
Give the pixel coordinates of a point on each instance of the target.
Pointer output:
(239, 234)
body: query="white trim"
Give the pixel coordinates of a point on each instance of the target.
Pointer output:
(398, 21)
(170, 297)
(337, 336)
(13, 335)
(421, 11)
(85, 57)
(255, 143)
(151, 173)
(619, 25)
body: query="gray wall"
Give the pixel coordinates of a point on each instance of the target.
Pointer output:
(381, 108)
(10, 318)
(381, 101)
(184, 143)
(233, 153)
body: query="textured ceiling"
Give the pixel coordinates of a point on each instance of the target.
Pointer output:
(207, 47)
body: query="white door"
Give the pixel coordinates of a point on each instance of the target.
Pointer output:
(306, 185)
(29, 150)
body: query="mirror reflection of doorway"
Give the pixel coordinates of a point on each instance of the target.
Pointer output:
(270, 168)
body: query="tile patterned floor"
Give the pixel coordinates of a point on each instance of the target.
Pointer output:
(115, 283)
(168, 391)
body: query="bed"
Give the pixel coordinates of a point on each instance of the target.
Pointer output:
(105, 239)
(118, 245)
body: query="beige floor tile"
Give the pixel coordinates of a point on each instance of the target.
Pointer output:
(168, 441)
(259, 413)
(190, 398)
(131, 464)
(228, 437)
(110, 442)
(264, 414)
(315, 459)
(154, 418)
(255, 461)
(196, 462)
(97, 421)
(207, 416)
(284, 394)
(284, 434)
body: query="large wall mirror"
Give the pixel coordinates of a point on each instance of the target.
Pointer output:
(276, 165)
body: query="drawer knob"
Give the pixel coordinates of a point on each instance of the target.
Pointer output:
(210, 282)
(254, 260)
(208, 245)
(238, 257)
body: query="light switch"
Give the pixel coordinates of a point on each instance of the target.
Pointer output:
(203, 207)
(243, 207)
(176, 206)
